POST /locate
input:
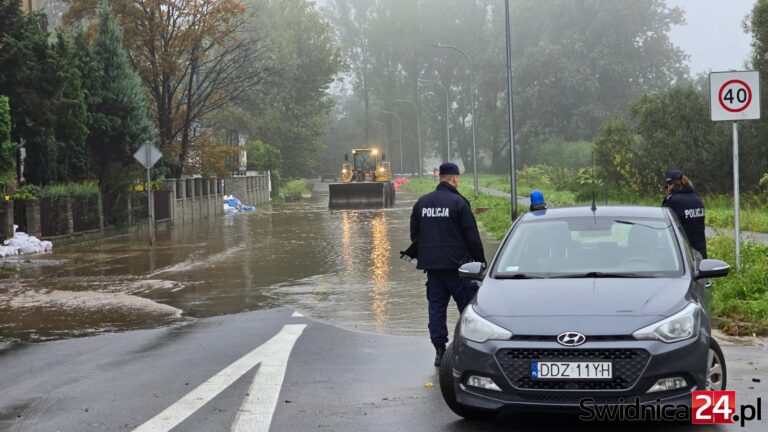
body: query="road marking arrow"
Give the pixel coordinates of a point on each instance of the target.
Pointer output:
(273, 356)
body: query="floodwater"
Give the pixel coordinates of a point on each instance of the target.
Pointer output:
(340, 266)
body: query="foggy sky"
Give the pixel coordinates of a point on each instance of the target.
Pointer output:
(713, 36)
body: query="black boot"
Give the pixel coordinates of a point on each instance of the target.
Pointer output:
(439, 352)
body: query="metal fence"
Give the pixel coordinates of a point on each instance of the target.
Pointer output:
(85, 216)
(162, 200)
(53, 216)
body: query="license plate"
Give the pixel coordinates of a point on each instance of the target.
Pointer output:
(571, 370)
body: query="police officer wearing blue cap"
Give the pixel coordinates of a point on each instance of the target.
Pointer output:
(687, 205)
(445, 236)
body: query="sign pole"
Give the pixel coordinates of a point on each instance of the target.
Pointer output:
(736, 222)
(149, 200)
(735, 96)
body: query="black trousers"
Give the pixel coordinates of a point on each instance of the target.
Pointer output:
(441, 286)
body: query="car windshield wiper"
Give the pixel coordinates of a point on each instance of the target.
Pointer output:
(596, 274)
(518, 276)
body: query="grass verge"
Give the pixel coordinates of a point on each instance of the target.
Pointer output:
(742, 296)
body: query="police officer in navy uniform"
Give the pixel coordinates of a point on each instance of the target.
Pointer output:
(687, 205)
(445, 236)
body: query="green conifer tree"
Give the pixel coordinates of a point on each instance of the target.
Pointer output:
(119, 116)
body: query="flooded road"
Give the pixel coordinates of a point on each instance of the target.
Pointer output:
(342, 266)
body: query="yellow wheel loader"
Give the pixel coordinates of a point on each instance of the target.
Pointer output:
(366, 182)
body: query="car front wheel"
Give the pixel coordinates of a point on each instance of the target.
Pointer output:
(716, 372)
(449, 391)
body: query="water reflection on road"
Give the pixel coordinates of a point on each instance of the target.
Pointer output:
(342, 266)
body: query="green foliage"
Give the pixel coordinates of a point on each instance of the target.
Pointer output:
(7, 148)
(764, 183)
(71, 123)
(275, 182)
(119, 120)
(295, 189)
(33, 81)
(291, 112)
(263, 157)
(742, 295)
(27, 192)
(80, 190)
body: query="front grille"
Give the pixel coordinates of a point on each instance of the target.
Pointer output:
(592, 338)
(627, 366)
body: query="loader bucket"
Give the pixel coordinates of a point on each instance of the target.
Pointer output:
(360, 195)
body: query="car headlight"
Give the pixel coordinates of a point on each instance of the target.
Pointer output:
(478, 329)
(680, 326)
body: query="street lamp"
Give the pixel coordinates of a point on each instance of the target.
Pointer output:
(472, 103)
(510, 122)
(447, 115)
(400, 130)
(418, 129)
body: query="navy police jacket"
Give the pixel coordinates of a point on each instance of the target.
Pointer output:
(689, 208)
(444, 230)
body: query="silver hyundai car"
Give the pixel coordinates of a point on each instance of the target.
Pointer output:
(582, 307)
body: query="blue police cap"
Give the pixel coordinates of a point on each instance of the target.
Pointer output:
(673, 175)
(449, 168)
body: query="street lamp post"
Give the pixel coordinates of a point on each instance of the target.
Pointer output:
(418, 129)
(472, 103)
(447, 115)
(512, 183)
(400, 130)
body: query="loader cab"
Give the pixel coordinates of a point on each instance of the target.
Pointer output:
(364, 167)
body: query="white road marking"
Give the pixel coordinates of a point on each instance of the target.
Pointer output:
(205, 392)
(255, 415)
(297, 314)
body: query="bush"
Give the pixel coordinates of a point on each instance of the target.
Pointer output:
(27, 192)
(743, 294)
(86, 190)
(294, 190)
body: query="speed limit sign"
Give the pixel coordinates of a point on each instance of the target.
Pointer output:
(734, 95)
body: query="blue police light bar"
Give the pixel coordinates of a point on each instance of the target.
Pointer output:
(537, 198)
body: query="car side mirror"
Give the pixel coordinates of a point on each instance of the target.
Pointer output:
(472, 271)
(711, 268)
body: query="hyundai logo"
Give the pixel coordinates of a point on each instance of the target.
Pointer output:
(571, 339)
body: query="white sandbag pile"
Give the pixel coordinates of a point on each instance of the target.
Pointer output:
(24, 244)
(234, 205)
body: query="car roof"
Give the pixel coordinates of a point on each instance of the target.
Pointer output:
(602, 211)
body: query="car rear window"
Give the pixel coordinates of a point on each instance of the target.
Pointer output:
(580, 245)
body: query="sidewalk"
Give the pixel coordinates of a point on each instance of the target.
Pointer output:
(495, 192)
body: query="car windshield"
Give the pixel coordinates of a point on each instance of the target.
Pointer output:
(590, 247)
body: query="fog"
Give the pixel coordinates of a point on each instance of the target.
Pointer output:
(713, 36)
